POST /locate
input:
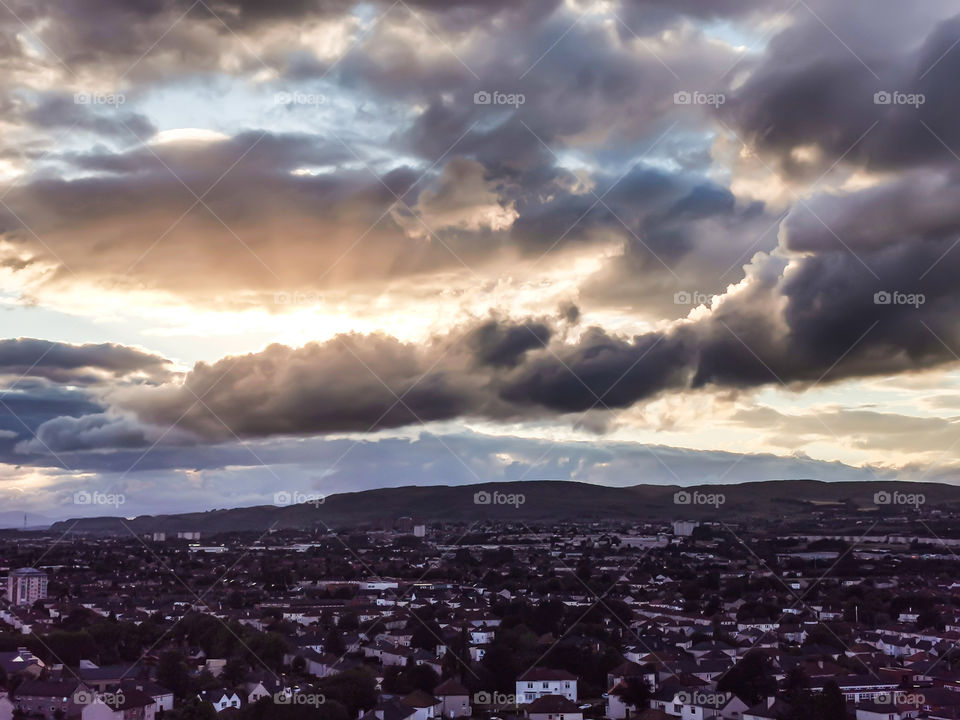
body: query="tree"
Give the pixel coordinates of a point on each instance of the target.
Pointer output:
(635, 691)
(172, 673)
(355, 689)
(235, 670)
(750, 679)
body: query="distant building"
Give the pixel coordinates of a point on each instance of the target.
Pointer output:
(404, 524)
(191, 535)
(159, 537)
(419, 530)
(684, 528)
(26, 585)
(537, 682)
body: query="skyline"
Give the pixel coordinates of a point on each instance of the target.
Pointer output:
(330, 246)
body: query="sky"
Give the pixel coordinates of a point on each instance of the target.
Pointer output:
(314, 246)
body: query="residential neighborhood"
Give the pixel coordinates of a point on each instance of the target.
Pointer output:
(692, 620)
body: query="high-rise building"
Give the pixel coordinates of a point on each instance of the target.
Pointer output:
(26, 585)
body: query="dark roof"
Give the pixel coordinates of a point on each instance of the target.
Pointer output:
(544, 674)
(391, 709)
(552, 704)
(47, 688)
(766, 709)
(420, 699)
(450, 687)
(127, 698)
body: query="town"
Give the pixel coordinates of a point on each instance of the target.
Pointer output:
(766, 620)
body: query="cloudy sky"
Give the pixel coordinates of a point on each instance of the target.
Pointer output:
(323, 245)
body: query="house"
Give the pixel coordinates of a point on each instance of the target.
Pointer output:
(390, 709)
(770, 708)
(553, 707)
(259, 685)
(162, 698)
(454, 699)
(700, 705)
(537, 682)
(221, 699)
(46, 697)
(426, 705)
(21, 661)
(120, 704)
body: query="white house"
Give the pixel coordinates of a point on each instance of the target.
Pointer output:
(538, 682)
(454, 699)
(704, 705)
(426, 706)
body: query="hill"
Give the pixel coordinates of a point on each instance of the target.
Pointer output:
(539, 501)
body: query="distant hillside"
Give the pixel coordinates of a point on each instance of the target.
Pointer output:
(16, 519)
(542, 501)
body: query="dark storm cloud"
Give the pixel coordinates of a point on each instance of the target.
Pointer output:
(27, 405)
(75, 364)
(502, 345)
(796, 319)
(812, 91)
